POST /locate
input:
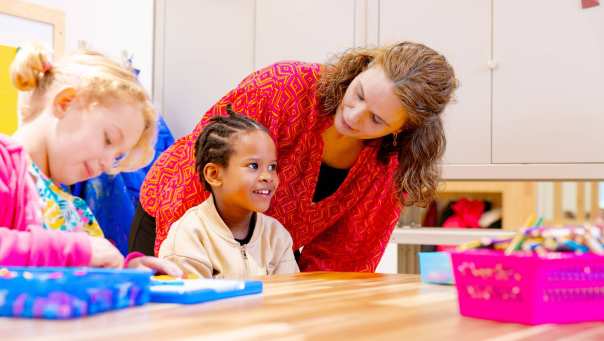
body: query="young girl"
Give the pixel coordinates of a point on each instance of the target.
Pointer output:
(227, 236)
(80, 117)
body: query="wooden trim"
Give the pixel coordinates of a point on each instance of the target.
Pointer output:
(407, 259)
(41, 14)
(519, 202)
(472, 186)
(595, 201)
(580, 202)
(558, 216)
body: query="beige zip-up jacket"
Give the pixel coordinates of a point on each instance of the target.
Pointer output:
(200, 243)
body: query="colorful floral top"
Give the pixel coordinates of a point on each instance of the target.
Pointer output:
(61, 210)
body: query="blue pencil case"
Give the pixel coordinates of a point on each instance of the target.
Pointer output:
(189, 291)
(64, 293)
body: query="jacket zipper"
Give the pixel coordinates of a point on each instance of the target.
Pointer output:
(244, 255)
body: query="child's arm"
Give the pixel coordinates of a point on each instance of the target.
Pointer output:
(191, 266)
(39, 247)
(23, 241)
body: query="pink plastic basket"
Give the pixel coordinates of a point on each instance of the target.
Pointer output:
(526, 288)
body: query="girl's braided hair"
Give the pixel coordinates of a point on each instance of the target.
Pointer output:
(215, 143)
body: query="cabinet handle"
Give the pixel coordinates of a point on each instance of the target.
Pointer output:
(492, 64)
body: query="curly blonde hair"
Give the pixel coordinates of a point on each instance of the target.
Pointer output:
(424, 82)
(98, 80)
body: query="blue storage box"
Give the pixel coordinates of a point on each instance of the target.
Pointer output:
(435, 267)
(63, 293)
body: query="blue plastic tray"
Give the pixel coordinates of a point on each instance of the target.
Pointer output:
(63, 293)
(191, 291)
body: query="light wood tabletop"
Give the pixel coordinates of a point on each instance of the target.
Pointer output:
(307, 306)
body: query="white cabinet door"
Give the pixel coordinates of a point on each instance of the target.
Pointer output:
(309, 30)
(207, 50)
(548, 89)
(460, 30)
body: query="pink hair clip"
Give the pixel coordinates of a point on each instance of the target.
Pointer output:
(46, 67)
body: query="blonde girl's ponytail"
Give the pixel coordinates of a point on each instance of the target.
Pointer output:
(30, 66)
(31, 72)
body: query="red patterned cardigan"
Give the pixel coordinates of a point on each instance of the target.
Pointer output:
(347, 231)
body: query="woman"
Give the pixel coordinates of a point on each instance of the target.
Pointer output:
(355, 139)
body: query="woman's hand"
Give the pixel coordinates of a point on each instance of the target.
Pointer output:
(161, 266)
(104, 254)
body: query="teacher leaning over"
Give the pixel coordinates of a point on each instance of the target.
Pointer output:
(356, 139)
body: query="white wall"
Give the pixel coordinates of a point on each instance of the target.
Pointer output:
(389, 262)
(110, 26)
(204, 49)
(284, 28)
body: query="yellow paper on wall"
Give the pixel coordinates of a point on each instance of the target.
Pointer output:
(8, 93)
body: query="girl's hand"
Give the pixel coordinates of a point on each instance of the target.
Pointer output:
(104, 254)
(161, 266)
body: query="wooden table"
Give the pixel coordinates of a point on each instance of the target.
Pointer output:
(308, 306)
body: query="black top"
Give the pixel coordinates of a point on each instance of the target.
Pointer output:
(250, 231)
(330, 179)
(142, 232)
